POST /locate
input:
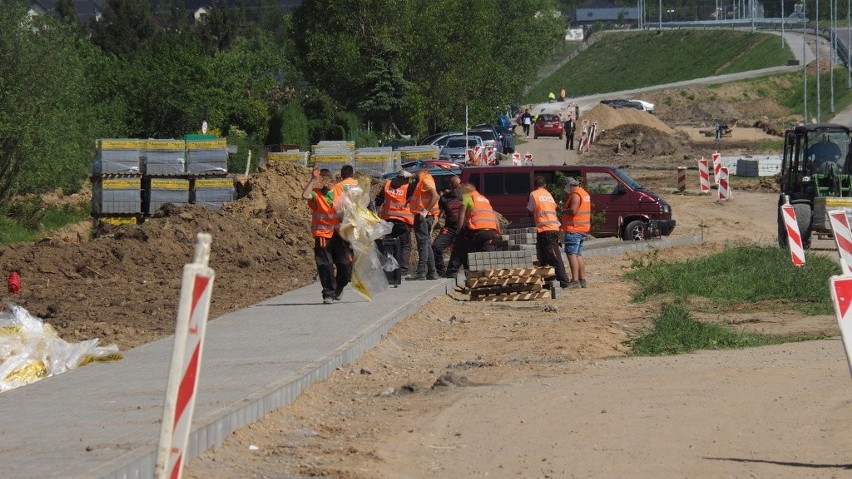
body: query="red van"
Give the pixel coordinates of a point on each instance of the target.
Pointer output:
(629, 210)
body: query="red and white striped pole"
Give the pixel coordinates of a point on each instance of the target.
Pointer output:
(528, 159)
(704, 175)
(681, 178)
(717, 165)
(193, 308)
(516, 159)
(794, 237)
(841, 295)
(724, 187)
(842, 238)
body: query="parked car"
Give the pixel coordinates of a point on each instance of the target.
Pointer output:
(490, 136)
(646, 105)
(548, 124)
(455, 149)
(438, 138)
(410, 165)
(624, 207)
(635, 104)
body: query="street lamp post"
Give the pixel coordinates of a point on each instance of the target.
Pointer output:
(670, 12)
(660, 11)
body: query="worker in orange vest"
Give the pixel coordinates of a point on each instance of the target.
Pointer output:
(392, 203)
(478, 226)
(543, 207)
(576, 223)
(424, 206)
(331, 253)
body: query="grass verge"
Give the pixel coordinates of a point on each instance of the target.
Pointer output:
(676, 332)
(742, 275)
(17, 228)
(620, 61)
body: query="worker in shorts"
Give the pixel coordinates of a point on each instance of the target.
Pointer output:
(576, 223)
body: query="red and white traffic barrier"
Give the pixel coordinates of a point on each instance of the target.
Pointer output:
(724, 186)
(794, 237)
(193, 308)
(490, 156)
(516, 159)
(842, 238)
(681, 178)
(704, 175)
(841, 296)
(528, 159)
(717, 166)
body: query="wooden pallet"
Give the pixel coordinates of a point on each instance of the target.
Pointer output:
(521, 272)
(498, 290)
(523, 296)
(480, 282)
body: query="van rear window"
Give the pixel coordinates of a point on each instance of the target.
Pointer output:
(507, 184)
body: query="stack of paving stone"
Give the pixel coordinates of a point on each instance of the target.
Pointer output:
(207, 157)
(423, 152)
(164, 157)
(332, 155)
(374, 161)
(506, 276)
(212, 192)
(296, 157)
(520, 238)
(159, 191)
(117, 181)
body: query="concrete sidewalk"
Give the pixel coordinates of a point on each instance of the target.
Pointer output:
(103, 420)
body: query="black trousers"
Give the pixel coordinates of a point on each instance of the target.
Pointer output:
(402, 232)
(548, 252)
(334, 264)
(569, 142)
(441, 243)
(472, 241)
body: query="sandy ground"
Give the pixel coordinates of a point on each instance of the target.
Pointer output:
(544, 388)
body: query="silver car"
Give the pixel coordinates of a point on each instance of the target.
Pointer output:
(455, 148)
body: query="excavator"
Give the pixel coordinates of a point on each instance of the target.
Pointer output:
(816, 177)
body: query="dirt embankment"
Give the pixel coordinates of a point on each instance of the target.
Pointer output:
(123, 286)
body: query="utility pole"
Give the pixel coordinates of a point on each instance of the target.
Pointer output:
(661, 16)
(752, 15)
(804, 65)
(833, 29)
(816, 47)
(848, 44)
(782, 24)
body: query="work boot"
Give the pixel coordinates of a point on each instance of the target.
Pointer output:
(582, 283)
(327, 300)
(416, 277)
(432, 277)
(572, 285)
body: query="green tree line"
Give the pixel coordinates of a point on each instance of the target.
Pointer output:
(327, 70)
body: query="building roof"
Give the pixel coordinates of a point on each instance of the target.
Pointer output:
(85, 9)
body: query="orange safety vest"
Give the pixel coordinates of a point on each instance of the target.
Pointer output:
(339, 189)
(482, 216)
(323, 219)
(419, 199)
(582, 221)
(544, 214)
(394, 207)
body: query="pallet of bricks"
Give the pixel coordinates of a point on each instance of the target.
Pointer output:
(117, 181)
(506, 276)
(332, 155)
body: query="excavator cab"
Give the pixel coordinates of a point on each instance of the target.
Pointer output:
(816, 177)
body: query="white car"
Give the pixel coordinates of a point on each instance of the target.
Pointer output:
(646, 105)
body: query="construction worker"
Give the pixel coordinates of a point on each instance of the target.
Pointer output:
(330, 250)
(392, 204)
(543, 207)
(478, 226)
(450, 205)
(347, 180)
(424, 205)
(576, 223)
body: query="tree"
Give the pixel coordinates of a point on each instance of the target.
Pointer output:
(126, 27)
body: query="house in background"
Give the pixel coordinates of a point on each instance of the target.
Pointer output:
(86, 10)
(605, 11)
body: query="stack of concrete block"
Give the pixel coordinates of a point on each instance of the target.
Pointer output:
(117, 156)
(296, 157)
(117, 196)
(508, 284)
(520, 238)
(164, 157)
(207, 157)
(374, 161)
(332, 160)
(423, 152)
(500, 260)
(213, 192)
(167, 190)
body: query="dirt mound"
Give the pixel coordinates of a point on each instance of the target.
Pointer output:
(609, 118)
(635, 141)
(123, 286)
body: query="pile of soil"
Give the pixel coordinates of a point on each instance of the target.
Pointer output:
(639, 143)
(123, 286)
(608, 118)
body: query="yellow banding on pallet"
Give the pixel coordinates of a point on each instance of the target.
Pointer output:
(120, 144)
(165, 145)
(286, 156)
(206, 145)
(170, 184)
(121, 183)
(118, 220)
(214, 183)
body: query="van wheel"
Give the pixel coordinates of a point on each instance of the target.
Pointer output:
(634, 231)
(535, 137)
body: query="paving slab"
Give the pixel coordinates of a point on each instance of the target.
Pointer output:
(103, 420)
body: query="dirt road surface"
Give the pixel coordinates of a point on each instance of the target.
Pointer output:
(543, 389)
